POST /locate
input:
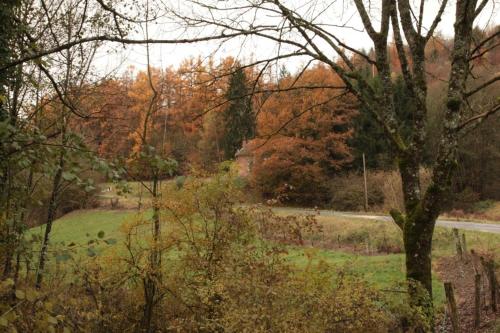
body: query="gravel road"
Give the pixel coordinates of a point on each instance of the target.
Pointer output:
(462, 224)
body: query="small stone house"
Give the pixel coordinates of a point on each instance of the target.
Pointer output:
(244, 160)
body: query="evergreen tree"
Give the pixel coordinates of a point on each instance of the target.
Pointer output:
(368, 135)
(239, 120)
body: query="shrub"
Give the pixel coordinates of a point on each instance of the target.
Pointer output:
(464, 200)
(227, 270)
(179, 181)
(482, 206)
(223, 269)
(75, 197)
(289, 182)
(348, 193)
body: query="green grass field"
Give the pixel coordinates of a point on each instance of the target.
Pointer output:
(385, 271)
(79, 226)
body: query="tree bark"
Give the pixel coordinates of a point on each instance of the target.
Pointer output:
(52, 207)
(417, 235)
(152, 277)
(51, 216)
(422, 210)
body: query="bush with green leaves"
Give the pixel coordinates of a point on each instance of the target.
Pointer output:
(224, 268)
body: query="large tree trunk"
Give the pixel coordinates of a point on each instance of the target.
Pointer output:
(422, 209)
(417, 235)
(417, 225)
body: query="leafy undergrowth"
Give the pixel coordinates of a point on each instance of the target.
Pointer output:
(487, 211)
(384, 271)
(214, 249)
(222, 268)
(370, 249)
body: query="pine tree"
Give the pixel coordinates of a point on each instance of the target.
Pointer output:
(369, 137)
(239, 120)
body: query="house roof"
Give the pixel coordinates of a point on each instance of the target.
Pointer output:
(244, 151)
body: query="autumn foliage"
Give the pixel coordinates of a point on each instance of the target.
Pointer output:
(290, 163)
(293, 162)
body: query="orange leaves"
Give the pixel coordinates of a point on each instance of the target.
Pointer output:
(185, 121)
(292, 163)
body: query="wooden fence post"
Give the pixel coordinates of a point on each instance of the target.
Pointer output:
(464, 249)
(464, 244)
(477, 300)
(450, 297)
(493, 284)
(457, 242)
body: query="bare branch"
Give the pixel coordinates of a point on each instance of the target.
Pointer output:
(115, 39)
(480, 117)
(436, 21)
(480, 7)
(365, 18)
(482, 86)
(268, 137)
(483, 52)
(406, 21)
(403, 61)
(265, 92)
(486, 40)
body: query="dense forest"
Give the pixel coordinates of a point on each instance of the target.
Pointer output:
(212, 195)
(193, 125)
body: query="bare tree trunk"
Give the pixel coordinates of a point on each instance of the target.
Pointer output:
(152, 277)
(51, 216)
(417, 235)
(422, 209)
(53, 202)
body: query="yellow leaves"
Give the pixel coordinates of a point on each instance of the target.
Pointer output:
(51, 320)
(48, 306)
(35, 311)
(6, 284)
(7, 319)
(31, 295)
(20, 294)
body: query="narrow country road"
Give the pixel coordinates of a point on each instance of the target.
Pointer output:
(466, 225)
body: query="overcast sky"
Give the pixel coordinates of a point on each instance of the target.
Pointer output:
(340, 13)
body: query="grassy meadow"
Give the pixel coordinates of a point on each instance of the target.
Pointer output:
(370, 249)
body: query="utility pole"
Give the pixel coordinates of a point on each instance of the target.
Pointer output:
(366, 186)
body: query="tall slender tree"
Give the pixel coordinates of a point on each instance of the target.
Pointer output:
(239, 119)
